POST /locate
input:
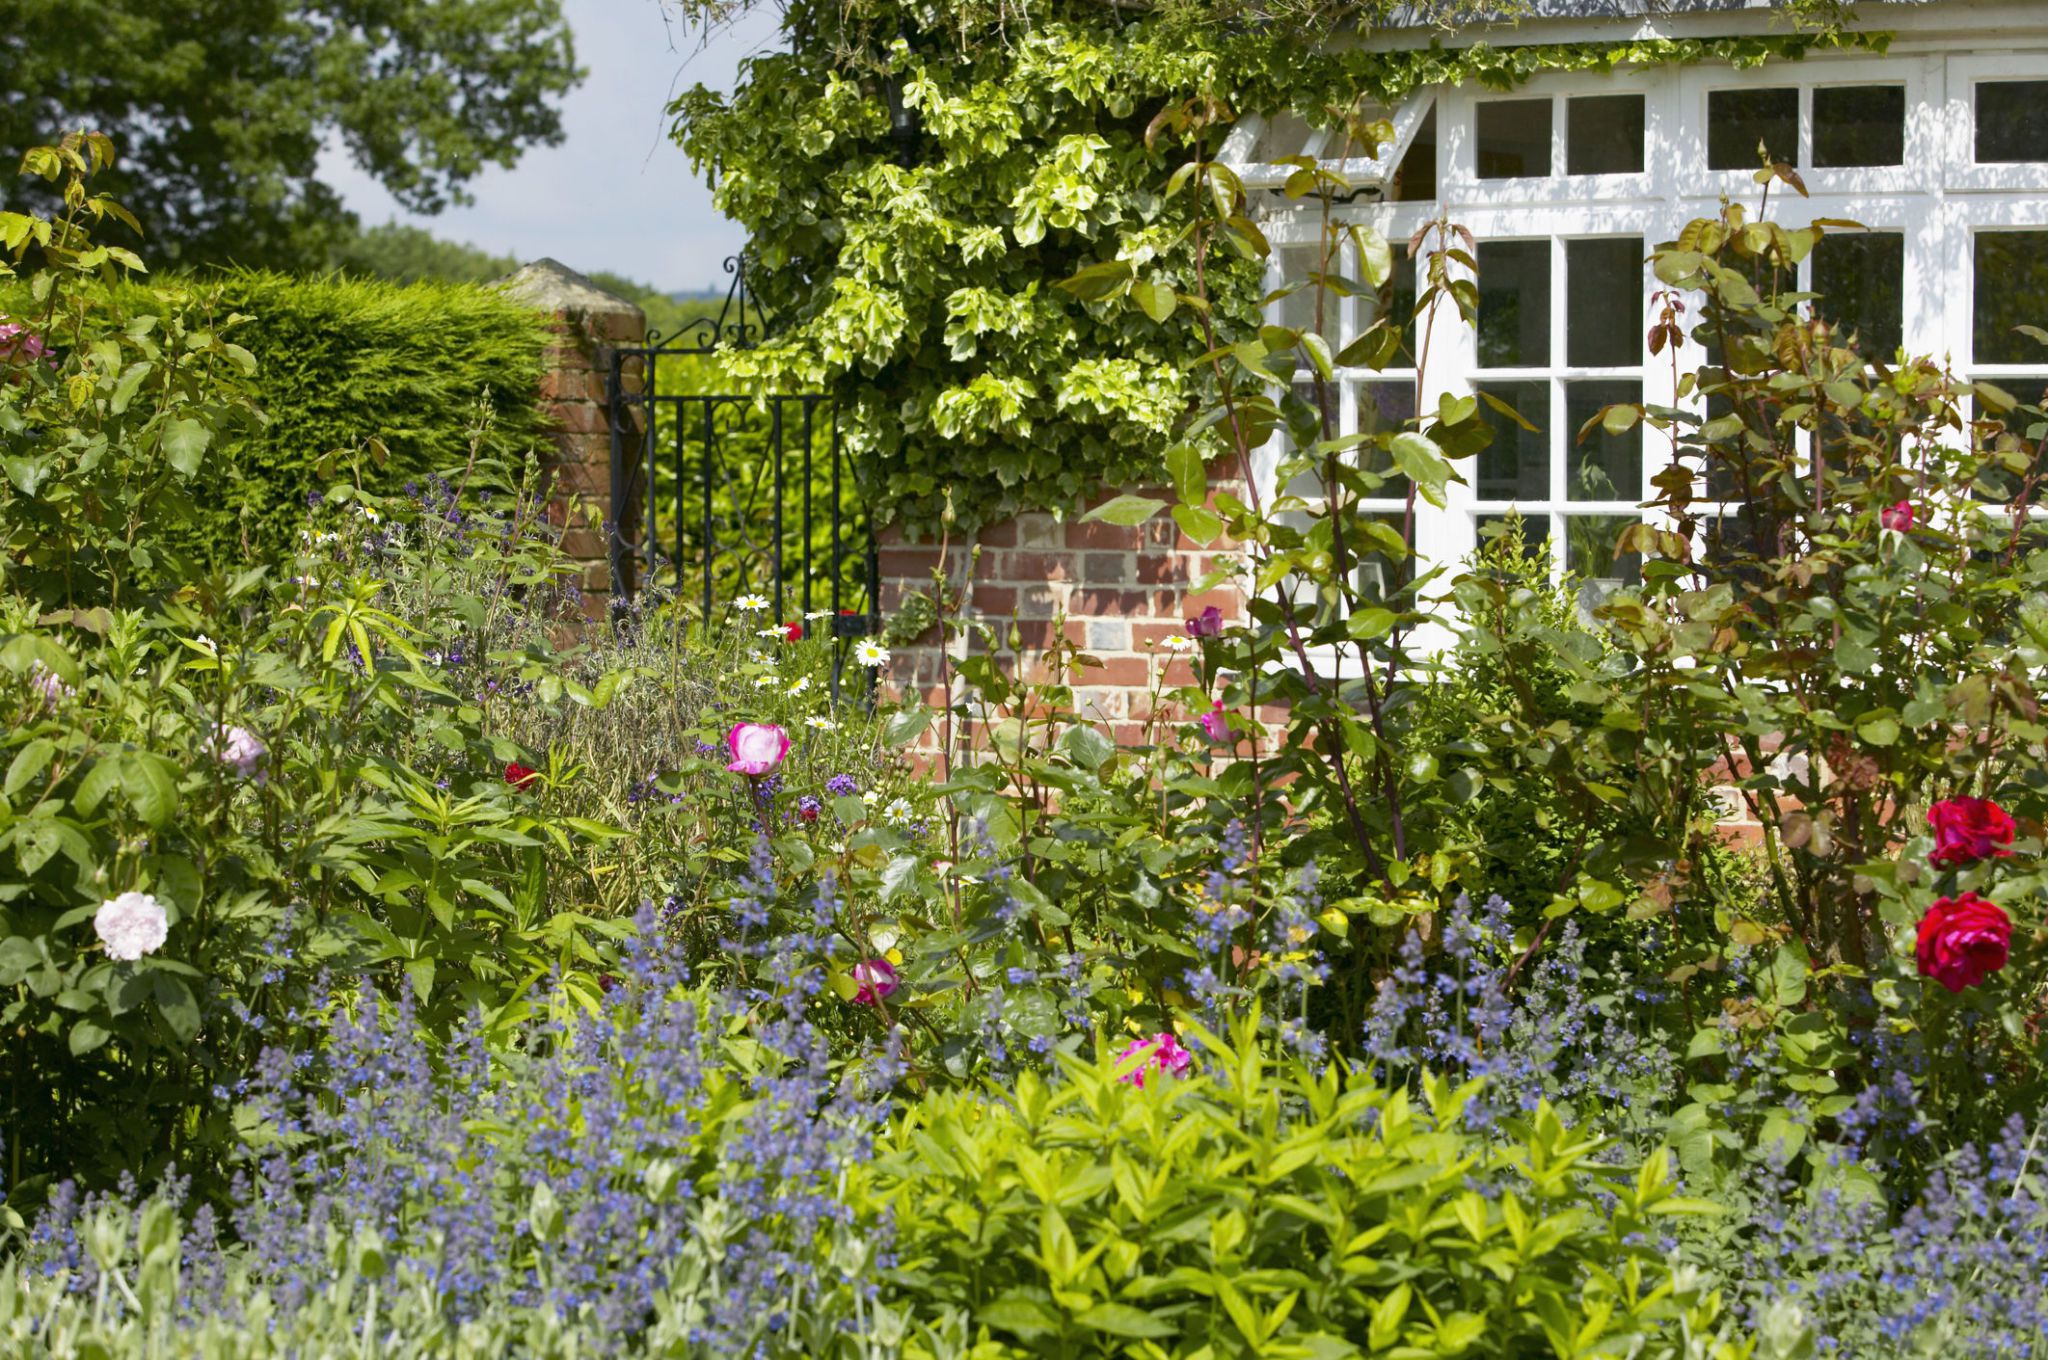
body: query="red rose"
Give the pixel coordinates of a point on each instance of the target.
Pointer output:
(1967, 830)
(1898, 517)
(792, 632)
(1963, 940)
(518, 776)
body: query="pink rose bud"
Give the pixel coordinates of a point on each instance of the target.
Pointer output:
(757, 748)
(1899, 517)
(875, 978)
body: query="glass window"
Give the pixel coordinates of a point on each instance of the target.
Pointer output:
(1603, 302)
(1382, 407)
(1533, 533)
(1602, 466)
(2021, 434)
(1415, 178)
(1514, 304)
(1516, 465)
(1514, 138)
(1604, 135)
(1589, 551)
(1298, 267)
(1859, 125)
(2011, 290)
(1739, 119)
(2012, 121)
(1861, 279)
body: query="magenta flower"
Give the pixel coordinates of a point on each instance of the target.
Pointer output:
(1207, 624)
(875, 978)
(1899, 517)
(757, 748)
(1215, 724)
(240, 750)
(1161, 1052)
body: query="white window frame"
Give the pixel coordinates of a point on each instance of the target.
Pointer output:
(1938, 200)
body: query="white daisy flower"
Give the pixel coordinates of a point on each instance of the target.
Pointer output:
(762, 658)
(750, 604)
(822, 724)
(770, 632)
(899, 812)
(369, 514)
(870, 653)
(871, 797)
(206, 644)
(803, 682)
(817, 614)
(764, 682)
(1177, 642)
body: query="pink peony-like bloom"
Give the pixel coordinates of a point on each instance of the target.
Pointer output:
(1215, 724)
(240, 750)
(1162, 1052)
(1207, 624)
(875, 979)
(20, 344)
(757, 748)
(1967, 830)
(1898, 516)
(131, 925)
(1963, 940)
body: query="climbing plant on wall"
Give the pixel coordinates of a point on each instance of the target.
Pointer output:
(916, 178)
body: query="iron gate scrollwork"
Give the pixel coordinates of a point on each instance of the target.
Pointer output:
(719, 493)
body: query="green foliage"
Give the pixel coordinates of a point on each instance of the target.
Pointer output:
(1272, 1210)
(918, 282)
(223, 114)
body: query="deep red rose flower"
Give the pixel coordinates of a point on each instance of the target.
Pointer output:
(1967, 830)
(1898, 516)
(1963, 940)
(518, 776)
(792, 632)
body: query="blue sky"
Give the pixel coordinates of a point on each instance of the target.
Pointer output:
(617, 193)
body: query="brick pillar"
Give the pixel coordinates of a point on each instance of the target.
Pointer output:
(1112, 590)
(587, 324)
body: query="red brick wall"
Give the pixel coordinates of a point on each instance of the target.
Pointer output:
(1112, 591)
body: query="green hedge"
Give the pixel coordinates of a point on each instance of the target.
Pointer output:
(340, 360)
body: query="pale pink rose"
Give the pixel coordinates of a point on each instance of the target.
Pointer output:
(131, 925)
(757, 748)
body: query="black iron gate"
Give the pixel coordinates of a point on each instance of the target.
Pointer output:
(718, 494)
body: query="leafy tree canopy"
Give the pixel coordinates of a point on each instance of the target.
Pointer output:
(221, 109)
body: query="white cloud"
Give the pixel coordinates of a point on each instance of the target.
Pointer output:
(617, 194)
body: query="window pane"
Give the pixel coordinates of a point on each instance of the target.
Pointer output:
(1514, 304)
(1589, 543)
(1604, 302)
(1380, 573)
(1516, 465)
(2011, 290)
(1383, 407)
(1604, 135)
(1415, 179)
(1298, 266)
(2021, 434)
(1533, 533)
(1604, 467)
(1859, 125)
(2012, 121)
(1861, 279)
(1738, 119)
(1514, 138)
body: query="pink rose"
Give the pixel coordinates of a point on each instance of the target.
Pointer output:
(1899, 517)
(757, 748)
(1963, 940)
(1215, 724)
(1967, 830)
(875, 978)
(1161, 1052)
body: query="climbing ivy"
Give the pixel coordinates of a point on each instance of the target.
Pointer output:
(913, 275)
